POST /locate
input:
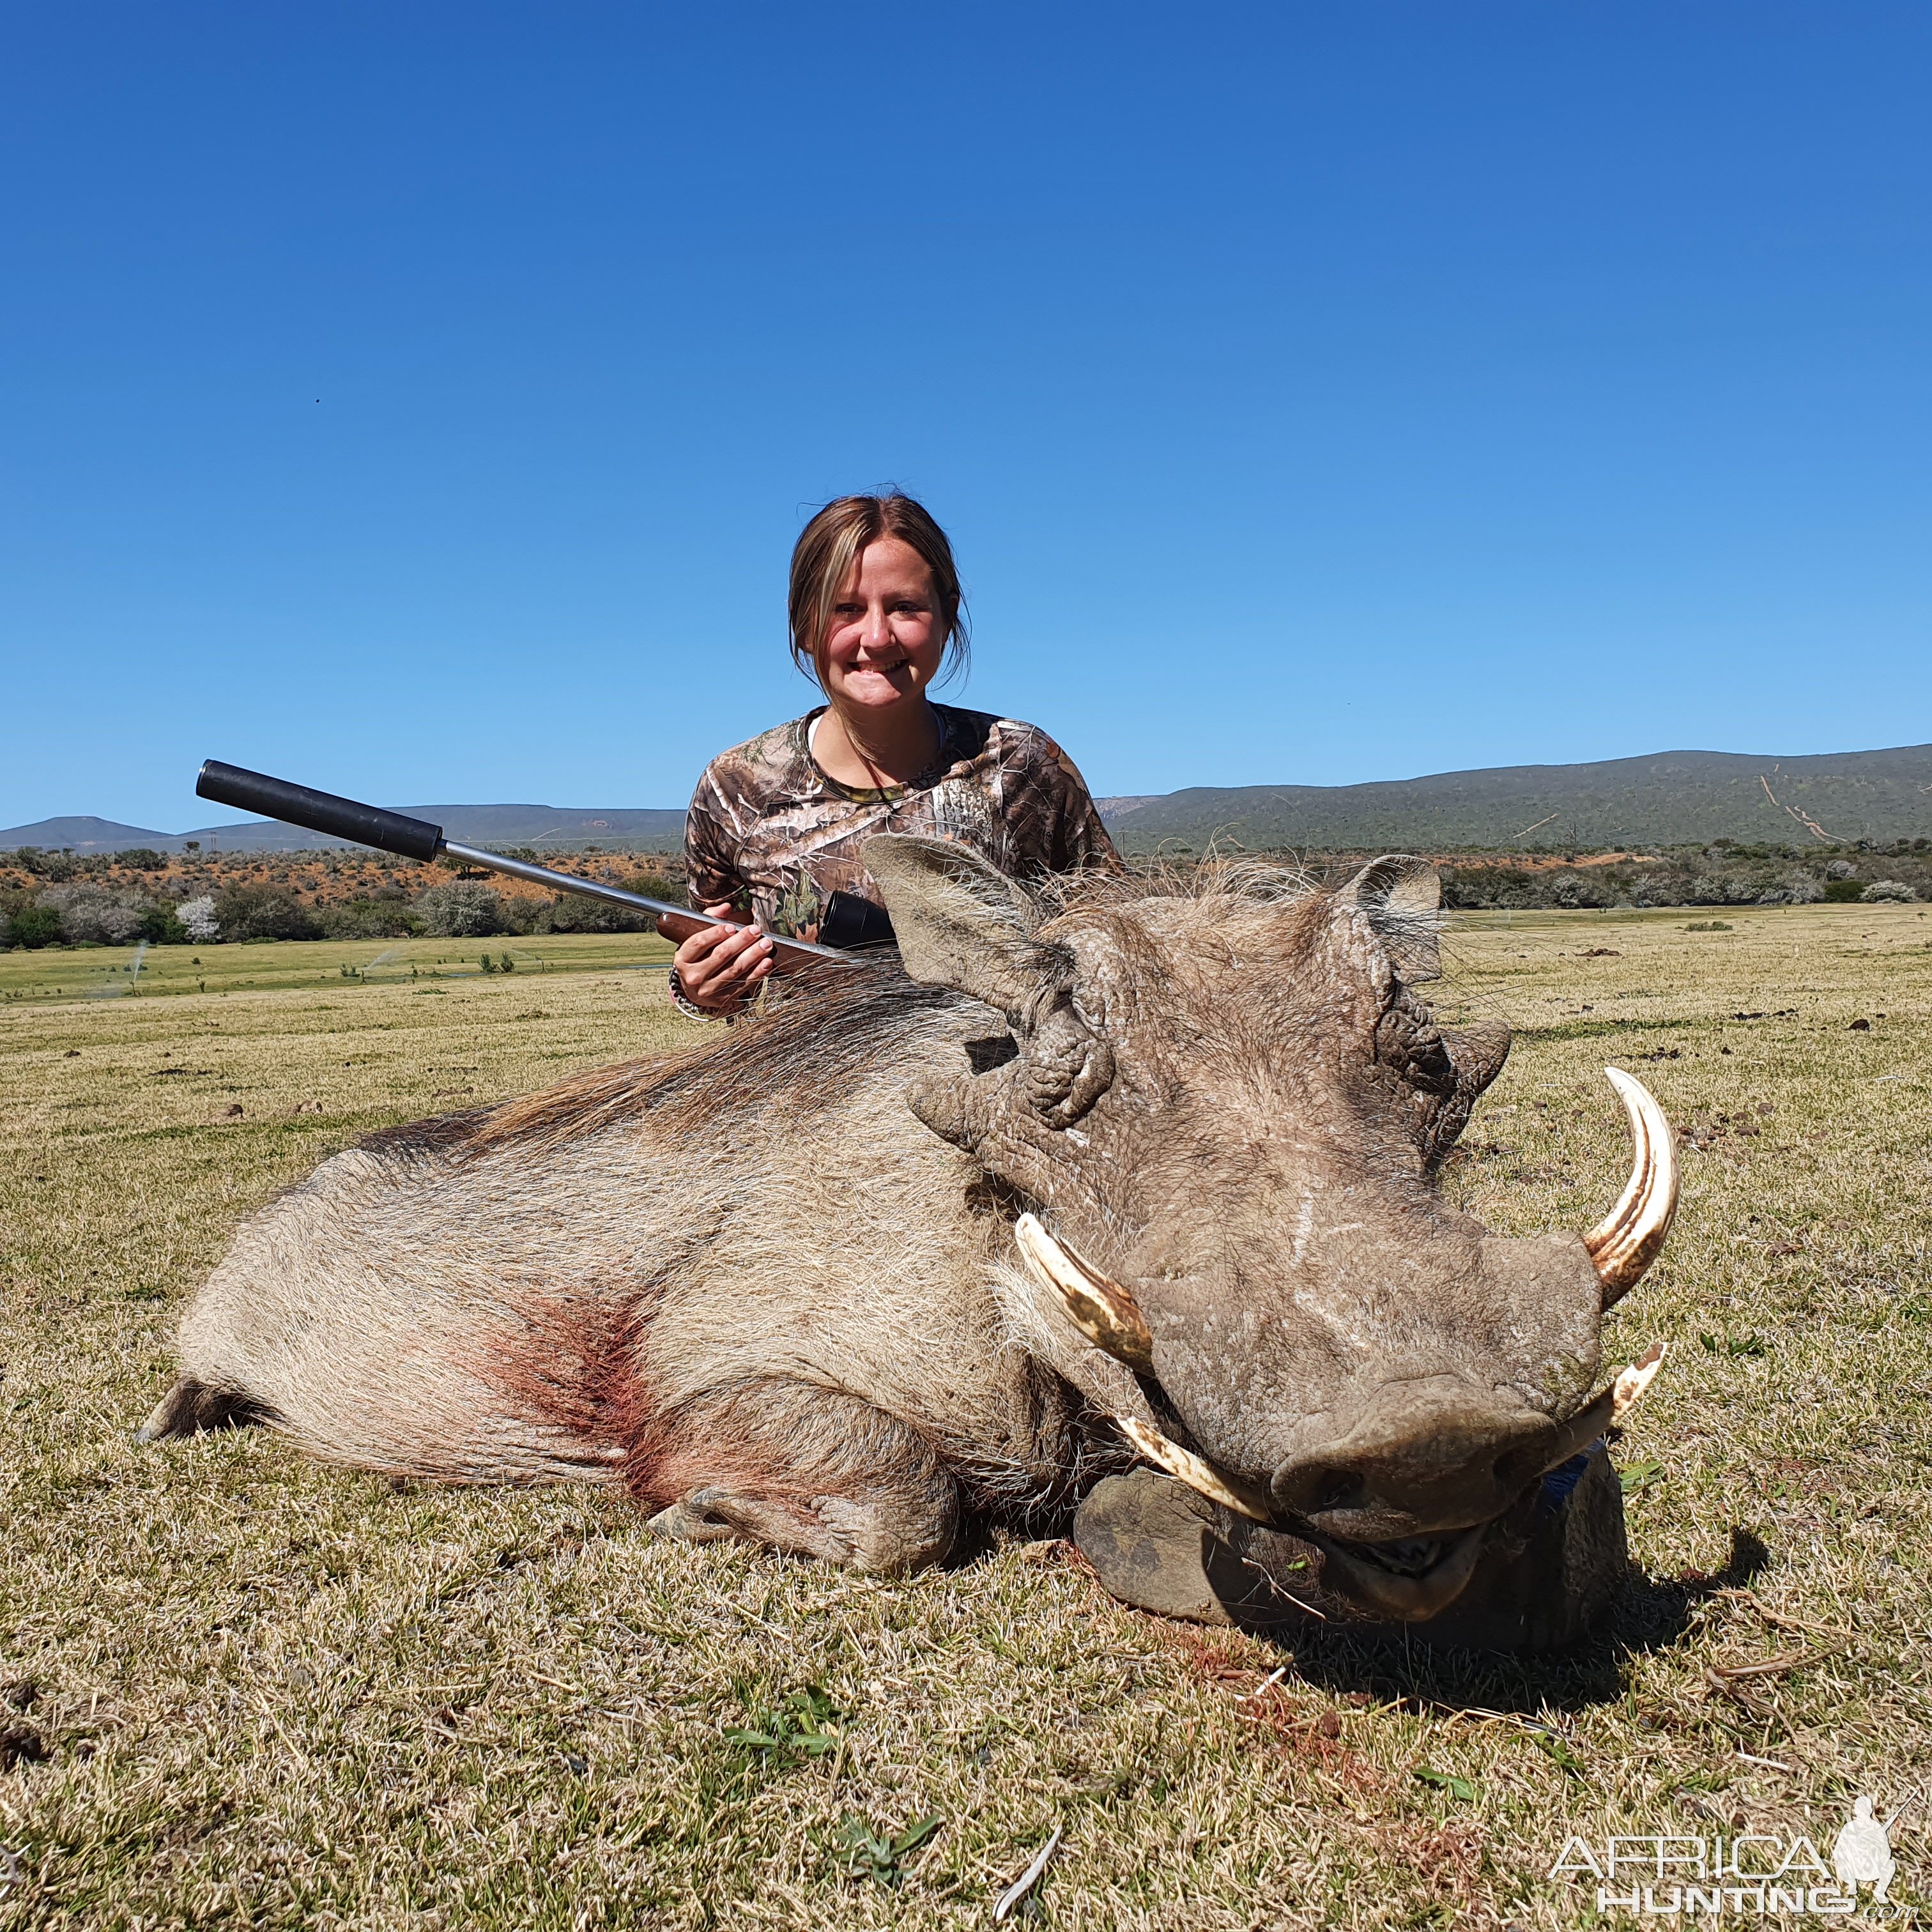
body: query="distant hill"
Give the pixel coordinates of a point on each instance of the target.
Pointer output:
(86, 834)
(1671, 798)
(552, 827)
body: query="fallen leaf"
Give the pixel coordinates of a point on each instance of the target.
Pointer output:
(1027, 1880)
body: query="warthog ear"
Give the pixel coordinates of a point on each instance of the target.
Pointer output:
(959, 922)
(1403, 898)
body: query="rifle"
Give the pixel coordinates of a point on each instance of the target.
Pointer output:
(417, 838)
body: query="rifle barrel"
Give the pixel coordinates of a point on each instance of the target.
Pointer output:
(416, 838)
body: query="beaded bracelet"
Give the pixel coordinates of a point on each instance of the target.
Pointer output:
(685, 1004)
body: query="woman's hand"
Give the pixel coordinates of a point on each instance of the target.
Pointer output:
(719, 969)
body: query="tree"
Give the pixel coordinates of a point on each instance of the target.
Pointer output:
(198, 920)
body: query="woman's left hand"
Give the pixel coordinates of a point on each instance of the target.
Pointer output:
(719, 968)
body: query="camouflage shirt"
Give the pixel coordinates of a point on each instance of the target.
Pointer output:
(772, 833)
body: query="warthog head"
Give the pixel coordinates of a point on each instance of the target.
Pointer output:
(1227, 1111)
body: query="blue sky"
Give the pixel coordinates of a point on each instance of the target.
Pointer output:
(421, 400)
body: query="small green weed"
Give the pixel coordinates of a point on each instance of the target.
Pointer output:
(863, 1850)
(806, 1725)
(1456, 1787)
(1733, 1344)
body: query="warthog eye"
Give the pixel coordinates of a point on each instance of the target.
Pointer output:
(985, 1054)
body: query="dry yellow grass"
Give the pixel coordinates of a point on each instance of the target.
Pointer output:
(272, 1694)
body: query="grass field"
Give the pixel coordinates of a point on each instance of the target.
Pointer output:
(239, 1689)
(91, 973)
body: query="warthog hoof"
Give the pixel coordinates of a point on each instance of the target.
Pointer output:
(190, 1407)
(1543, 1576)
(878, 1534)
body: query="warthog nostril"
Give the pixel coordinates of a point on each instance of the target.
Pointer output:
(1424, 1460)
(1314, 1487)
(1339, 1490)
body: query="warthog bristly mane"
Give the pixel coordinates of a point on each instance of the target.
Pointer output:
(820, 1030)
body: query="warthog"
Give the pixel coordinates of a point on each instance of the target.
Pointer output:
(1137, 1171)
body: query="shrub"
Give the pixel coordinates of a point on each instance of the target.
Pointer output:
(140, 858)
(1798, 889)
(461, 910)
(198, 921)
(263, 912)
(1843, 892)
(160, 926)
(93, 916)
(572, 914)
(1730, 888)
(34, 926)
(658, 886)
(1575, 889)
(1888, 888)
(385, 915)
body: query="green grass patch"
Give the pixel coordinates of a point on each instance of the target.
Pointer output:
(94, 973)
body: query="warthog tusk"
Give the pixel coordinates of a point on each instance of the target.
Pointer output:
(1632, 1382)
(1199, 1475)
(1605, 1411)
(1102, 1310)
(1106, 1314)
(1625, 1242)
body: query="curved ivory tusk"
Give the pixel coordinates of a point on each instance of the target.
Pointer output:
(1101, 1310)
(1199, 1475)
(1606, 1410)
(1625, 1242)
(1631, 1382)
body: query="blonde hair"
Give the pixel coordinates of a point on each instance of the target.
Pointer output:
(829, 546)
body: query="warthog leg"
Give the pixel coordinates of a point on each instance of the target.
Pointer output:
(802, 1469)
(190, 1407)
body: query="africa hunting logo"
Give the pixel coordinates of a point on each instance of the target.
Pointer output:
(1756, 1874)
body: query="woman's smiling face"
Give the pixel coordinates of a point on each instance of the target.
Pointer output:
(887, 636)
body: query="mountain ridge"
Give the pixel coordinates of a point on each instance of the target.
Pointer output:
(1661, 798)
(564, 828)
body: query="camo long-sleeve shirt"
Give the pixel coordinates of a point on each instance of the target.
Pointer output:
(772, 833)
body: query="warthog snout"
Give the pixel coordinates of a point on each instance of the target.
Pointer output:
(1427, 1458)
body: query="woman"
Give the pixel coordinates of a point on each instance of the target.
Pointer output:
(776, 825)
